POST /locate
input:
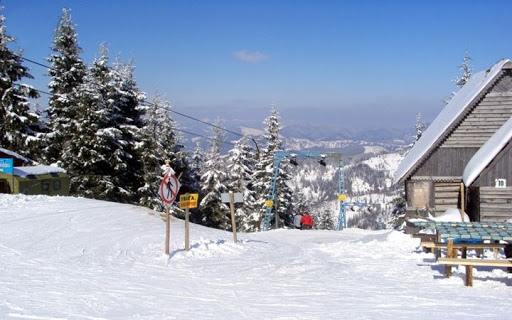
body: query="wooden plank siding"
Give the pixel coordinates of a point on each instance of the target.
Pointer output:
(446, 162)
(485, 118)
(495, 204)
(447, 195)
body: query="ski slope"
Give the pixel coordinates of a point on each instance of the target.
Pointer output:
(75, 258)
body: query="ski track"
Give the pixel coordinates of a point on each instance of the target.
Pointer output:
(53, 269)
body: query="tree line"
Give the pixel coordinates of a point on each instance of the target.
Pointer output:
(98, 126)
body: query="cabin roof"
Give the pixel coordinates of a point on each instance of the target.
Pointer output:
(438, 129)
(483, 157)
(36, 170)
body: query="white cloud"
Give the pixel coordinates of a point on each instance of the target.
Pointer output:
(250, 57)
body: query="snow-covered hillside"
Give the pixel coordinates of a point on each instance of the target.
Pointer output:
(368, 180)
(73, 258)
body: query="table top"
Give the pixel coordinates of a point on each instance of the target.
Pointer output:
(469, 230)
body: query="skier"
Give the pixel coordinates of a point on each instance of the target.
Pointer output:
(306, 221)
(296, 221)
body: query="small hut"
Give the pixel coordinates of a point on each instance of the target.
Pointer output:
(32, 179)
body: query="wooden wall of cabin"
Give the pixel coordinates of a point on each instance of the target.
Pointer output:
(446, 162)
(447, 196)
(495, 204)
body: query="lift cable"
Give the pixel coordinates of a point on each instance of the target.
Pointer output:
(147, 102)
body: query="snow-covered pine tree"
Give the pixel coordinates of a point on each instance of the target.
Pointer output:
(16, 117)
(128, 119)
(324, 221)
(197, 158)
(466, 74)
(420, 127)
(89, 147)
(67, 72)
(241, 164)
(466, 71)
(214, 213)
(102, 147)
(263, 173)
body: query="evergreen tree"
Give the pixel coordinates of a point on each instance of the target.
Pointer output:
(67, 73)
(17, 120)
(324, 221)
(101, 155)
(420, 127)
(240, 174)
(283, 203)
(88, 150)
(128, 119)
(466, 74)
(466, 70)
(215, 213)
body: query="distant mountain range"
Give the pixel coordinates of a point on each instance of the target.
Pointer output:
(310, 137)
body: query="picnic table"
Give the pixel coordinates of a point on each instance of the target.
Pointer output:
(463, 235)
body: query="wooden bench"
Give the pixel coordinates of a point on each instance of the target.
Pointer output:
(469, 263)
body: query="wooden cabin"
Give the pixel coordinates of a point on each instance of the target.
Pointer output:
(32, 179)
(432, 170)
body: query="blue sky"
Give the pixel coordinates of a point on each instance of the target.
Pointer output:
(359, 63)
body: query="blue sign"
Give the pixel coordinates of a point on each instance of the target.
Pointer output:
(6, 165)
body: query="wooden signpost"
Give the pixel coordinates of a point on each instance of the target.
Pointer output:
(232, 198)
(188, 200)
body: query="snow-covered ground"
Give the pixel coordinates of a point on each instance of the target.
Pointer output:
(73, 258)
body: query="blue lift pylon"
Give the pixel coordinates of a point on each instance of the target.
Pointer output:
(271, 199)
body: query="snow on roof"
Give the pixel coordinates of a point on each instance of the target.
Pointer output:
(36, 170)
(447, 116)
(487, 153)
(14, 154)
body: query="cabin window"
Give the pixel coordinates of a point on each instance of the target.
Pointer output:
(46, 186)
(419, 195)
(56, 184)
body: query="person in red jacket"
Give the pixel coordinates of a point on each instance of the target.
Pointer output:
(306, 221)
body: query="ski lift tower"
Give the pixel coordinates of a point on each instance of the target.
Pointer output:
(271, 199)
